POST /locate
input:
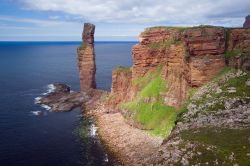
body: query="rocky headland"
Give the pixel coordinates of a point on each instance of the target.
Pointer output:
(184, 101)
(61, 99)
(188, 86)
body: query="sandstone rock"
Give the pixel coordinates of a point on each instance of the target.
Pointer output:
(88, 33)
(190, 57)
(206, 46)
(205, 40)
(204, 68)
(121, 82)
(238, 42)
(86, 59)
(247, 22)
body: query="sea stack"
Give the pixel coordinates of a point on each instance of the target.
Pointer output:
(86, 58)
(247, 22)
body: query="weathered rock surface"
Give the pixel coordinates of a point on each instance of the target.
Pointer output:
(247, 22)
(61, 99)
(86, 59)
(238, 46)
(205, 47)
(121, 82)
(205, 40)
(189, 57)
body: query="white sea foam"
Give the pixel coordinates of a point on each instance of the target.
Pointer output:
(51, 88)
(46, 106)
(106, 159)
(37, 113)
(93, 129)
(37, 100)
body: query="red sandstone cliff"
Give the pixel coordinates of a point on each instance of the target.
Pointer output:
(238, 48)
(86, 58)
(190, 58)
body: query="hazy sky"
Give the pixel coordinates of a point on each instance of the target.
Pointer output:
(114, 19)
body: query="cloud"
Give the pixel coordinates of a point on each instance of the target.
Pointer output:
(39, 22)
(182, 12)
(54, 17)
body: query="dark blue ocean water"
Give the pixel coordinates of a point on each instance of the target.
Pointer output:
(26, 68)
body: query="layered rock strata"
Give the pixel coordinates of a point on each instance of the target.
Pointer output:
(188, 58)
(121, 82)
(86, 58)
(238, 50)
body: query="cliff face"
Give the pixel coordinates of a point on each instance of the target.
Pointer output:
(205, 47)
(86, 58)
(168, 63)
(238, 51)
(121, 82)
(189, 57)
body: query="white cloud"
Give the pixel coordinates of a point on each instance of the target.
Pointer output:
(39, 22)
(181, 12)
(54, 17)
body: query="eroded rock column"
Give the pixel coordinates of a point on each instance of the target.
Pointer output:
(247, 22)
(86, 58)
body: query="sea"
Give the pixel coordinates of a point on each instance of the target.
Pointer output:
(31, 135)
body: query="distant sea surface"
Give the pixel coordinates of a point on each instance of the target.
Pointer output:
(50, 139)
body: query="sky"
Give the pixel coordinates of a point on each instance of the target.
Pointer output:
(118, 20)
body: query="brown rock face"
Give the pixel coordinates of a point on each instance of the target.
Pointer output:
(239, 47)
(86, 58)
(121, 82)
(206, 46)
(203, 41)
(204, 68)
(247, 22)
(190, 57)
(146, 59)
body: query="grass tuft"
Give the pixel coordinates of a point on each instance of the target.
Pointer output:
(83, 46)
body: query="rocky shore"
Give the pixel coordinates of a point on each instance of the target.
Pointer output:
(129, 145)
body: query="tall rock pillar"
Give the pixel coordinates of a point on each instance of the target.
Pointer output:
(247, 22)
(86, 58)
